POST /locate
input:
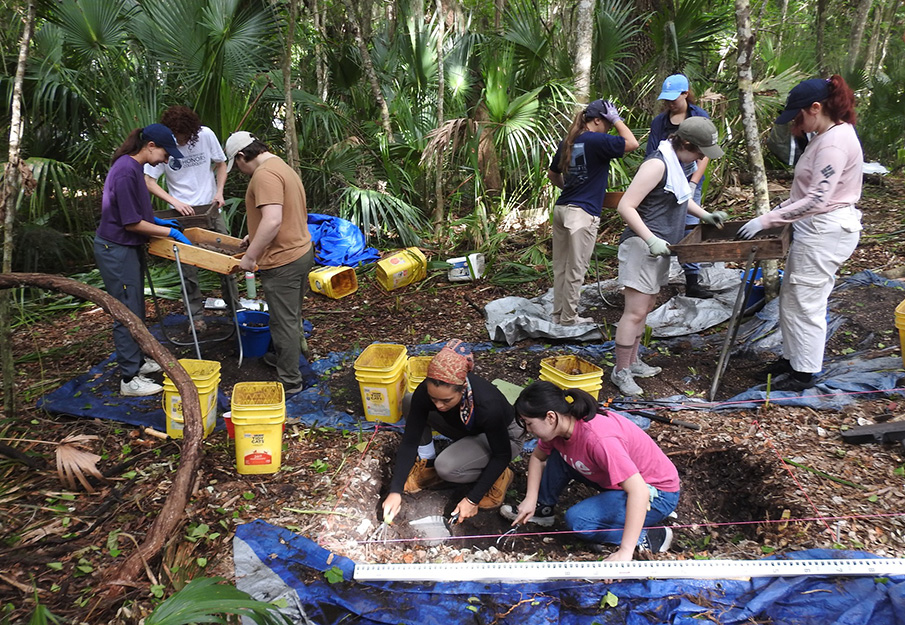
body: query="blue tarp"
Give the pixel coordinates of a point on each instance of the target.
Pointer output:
(274, 563)
(338, 242)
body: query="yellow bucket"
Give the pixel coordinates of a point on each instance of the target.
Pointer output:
(416, 371)
(206, 376)
(900, 324)
(380, 371)
(572, 372)
(334, 282)
(402, 268)
(259, 443)
(266, 399)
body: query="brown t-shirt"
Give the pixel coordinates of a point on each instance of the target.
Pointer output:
(274, 182)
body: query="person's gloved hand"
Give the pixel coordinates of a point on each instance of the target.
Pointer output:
(750, 229)
(657, 246)
(716, 218)
(179, 237)
(610, 113)
(693, 185)
(172, 223)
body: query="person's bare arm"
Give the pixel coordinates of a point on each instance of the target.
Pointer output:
(271, 220)
(555, 178)
(220, 173)
(158, 191)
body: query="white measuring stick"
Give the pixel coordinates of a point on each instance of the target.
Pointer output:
(662, 569)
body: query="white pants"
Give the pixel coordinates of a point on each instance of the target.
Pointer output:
(819, 246)
(574, 235)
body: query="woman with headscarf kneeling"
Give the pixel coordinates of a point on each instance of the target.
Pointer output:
(476, 416)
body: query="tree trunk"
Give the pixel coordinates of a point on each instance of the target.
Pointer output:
(821, 31)
(584, 46)
(488, 161)
(857, 34)
(320, 60)
(439, 206)
(11, 183)
(880, 36)
(357, 31)
(783, 14)
(746, 42)
(499, 7)
(291, 136)
(173, 509)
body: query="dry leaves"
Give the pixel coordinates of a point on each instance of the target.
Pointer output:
(73, 462)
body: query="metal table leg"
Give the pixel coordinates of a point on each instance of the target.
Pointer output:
(186, 303)
(744, 291)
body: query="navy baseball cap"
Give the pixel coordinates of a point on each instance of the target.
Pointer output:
(673, 87)
(163, 137)
(595, 109)
(802, 96)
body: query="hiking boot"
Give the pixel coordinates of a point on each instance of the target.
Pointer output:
(270, 359)
(641, 369)
(139, 386)
(794, 381)
(657, 540)
(497, 493)
(626, 383)
(776, 368)
(421, 476)
(577, 321)
(693, 287)
(543, 515)
(149, 366)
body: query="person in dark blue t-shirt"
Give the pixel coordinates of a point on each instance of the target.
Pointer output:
(678, 105)
(580, 168)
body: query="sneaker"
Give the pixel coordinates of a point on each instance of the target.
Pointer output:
(776, 368)
(494, 497)
(149, 366)
(657, 540)
(293, 389)
(543, 515)
(139, 386)
(270, 359)
(420, 477)
(577, 321)
(793, 381)
(641, 369)
(626, 383)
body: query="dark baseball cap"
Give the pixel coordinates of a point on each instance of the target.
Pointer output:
(595, 109)
(163, 137)
(802, 96)
(701, 132)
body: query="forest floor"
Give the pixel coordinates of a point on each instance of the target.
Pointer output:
(739, 500)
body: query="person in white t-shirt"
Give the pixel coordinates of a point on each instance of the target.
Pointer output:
(195, 180)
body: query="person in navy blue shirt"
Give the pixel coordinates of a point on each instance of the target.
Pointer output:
(678, 105)
(580, 168)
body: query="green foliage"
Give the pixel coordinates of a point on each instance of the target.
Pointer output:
(379, 214)
(209, 600)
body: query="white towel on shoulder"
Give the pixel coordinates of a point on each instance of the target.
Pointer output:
(676, 182)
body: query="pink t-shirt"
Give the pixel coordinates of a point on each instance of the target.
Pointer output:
(609, 449)
(827, 176)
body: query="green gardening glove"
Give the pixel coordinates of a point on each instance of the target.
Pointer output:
(716, 218)
(658, 247)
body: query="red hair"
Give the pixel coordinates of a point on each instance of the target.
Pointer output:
(840, 105)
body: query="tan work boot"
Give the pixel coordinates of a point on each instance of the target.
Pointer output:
(421, 476)
(497, 493)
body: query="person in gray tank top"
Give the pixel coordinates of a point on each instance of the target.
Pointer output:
(654, 208)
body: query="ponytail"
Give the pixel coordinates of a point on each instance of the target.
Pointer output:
(132, 145)
(579, 125)
(840, 105)
(541, 397)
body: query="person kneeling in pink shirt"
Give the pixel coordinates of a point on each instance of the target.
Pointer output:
(638, 485)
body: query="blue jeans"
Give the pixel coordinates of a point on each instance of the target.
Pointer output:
(604, 511)
(122, 269)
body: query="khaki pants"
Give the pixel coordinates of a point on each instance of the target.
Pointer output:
(574, 235)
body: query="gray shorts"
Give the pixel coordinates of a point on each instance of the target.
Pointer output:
(639, 270)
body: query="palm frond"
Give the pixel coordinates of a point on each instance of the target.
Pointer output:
(73, 462)
(381, 214)
(207, 600)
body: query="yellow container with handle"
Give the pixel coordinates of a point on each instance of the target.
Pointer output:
(258, 413)
(570, 371)
(206, 376)
(380, 371)
(401, 269)
(900, 325)
(334, 282)
(416, 371)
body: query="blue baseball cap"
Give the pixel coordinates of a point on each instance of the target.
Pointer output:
(163, 137)
(673, 87)
(803, 95)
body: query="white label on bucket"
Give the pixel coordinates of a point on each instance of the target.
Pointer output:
(377, 402)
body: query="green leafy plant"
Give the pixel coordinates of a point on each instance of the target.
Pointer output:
(208, 600)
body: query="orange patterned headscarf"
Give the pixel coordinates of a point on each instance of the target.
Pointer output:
(452, 363)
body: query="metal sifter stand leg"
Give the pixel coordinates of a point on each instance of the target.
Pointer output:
(744, 291)
(185, 300)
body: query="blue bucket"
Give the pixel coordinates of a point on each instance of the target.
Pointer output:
(756, 297)
(254, 332)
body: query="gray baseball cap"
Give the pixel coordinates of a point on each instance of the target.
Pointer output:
(702, 133)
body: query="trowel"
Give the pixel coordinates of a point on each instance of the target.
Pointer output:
(435, 527)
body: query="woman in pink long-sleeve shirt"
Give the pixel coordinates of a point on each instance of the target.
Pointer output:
(825, 222)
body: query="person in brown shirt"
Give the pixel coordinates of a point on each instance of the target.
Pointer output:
(279, 245)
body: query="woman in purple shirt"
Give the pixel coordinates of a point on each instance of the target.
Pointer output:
(127, 222)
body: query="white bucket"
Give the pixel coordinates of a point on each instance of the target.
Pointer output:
(465, 268)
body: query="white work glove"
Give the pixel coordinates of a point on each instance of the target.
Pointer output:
(716, 218)
(657, 246)
(750, 229)
(610, 113)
